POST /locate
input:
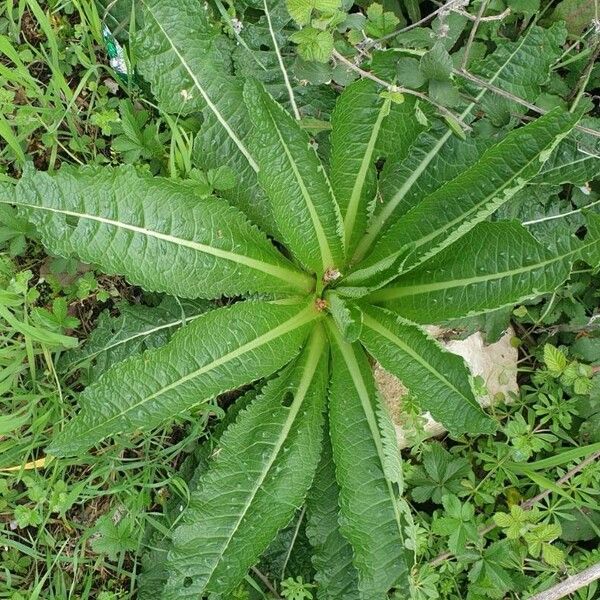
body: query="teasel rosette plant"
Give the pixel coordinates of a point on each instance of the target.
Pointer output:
(348, 279)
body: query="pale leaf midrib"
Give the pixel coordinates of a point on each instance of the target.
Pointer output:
(378, 222)
(276, 271)
(359, 182)
(315, 349)
(139, 334)
(562, 166)
(236, 140)
(462, 217)
(324, 249)
(415, 290)
(282, 68)
(393, 293)
(354, 369)
(297, 321)
(378, 327)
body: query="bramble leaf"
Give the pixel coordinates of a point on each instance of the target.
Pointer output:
(313, 44)
(301, 10)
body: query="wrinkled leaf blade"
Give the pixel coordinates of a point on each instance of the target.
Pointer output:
(371, 514)
(220, 351)
(575, 160)
(356, 122)
(456, 207)
(294, 179)
(188, 65)
(336, 575)
(406, 180)
(495, 265)
(439, 379)
(261, 472)
(136, 328)
(155, 232)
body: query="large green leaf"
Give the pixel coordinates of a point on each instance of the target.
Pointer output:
(406, 180)
(335, 575)
(262, 470)
(221, 350)
(439, 379)
(137, 328)
(494, 265)
(456, 207)
(155, 567)
(356, 122)
(368, 471)
(155, 232)
(188, 65)
(181, 54)
(293, 177)
(509, 67)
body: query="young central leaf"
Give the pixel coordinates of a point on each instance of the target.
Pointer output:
(294, 178)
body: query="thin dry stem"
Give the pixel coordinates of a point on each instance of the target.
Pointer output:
(527, 504)
(570, 584)
(500, 92)
(449, 6)
(396, 88)
(472, 33)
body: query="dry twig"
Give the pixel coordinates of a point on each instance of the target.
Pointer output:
(396, 88)
(570, 584)
(528, 504)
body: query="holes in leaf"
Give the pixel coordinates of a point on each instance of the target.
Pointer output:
(72, 221)
(287, 399)
(187, 582)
